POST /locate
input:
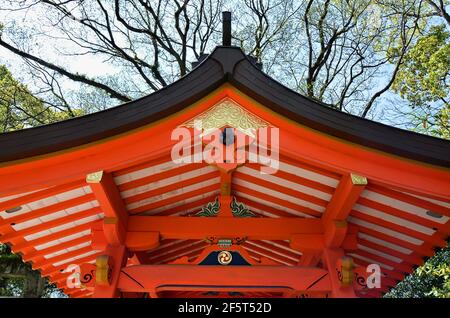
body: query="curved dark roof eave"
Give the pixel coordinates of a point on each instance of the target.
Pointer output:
(224, 64)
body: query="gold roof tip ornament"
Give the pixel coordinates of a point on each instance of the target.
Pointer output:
(227, 113)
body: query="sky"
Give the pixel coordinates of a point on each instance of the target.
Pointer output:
(89, 65)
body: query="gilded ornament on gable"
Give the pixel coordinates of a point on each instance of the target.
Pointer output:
(228, 113)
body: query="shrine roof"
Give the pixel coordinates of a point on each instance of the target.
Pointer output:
(223, 65)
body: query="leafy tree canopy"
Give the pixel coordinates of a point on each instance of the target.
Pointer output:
(423, 80)
(20, 109)
(430, 280)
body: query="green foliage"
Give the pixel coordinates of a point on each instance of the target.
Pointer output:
(20, 109)
(425, 71)
(16, 277)
(423, 81)
(430, 280)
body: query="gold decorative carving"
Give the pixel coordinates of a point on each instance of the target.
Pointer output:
(94, 177)
(358, 180)
(228, 113)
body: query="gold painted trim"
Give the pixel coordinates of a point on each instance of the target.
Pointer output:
(94, 177)
(347, 268)
(358, 180)
(102, 273)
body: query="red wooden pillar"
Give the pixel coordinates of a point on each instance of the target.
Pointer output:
(334, 261)
(108, 270)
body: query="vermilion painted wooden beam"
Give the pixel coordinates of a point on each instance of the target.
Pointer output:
(330, 259)
(313, 245)
(294, 178)
(148, 161)
(166, 244)
(276, 200)
(392, 274)
(39, 254)
(58, 271)
(435, 239)
(46, 210)
(38, 195)
(282, 189)
(140, 258)
(437, 208)
(410, 258)
(174, 199)
(263, 207)
(78, 293)
(134, 241)
(157, 278)
(425, 249)
(141, 241)
(160, 175)
(278, 248)
(259, 258)
(18, 235)
(269, 254)
(28, 245)
(48, 263)
(175, 227)
(189, 248)
(386, 208)
(112, 205)
(309, 259)
(338, 209)
(188, 208)
(402, 266)
(171, 187)
(107, 276)
(192, 256)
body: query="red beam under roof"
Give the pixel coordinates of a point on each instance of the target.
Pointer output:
(156, 278)
(177, 227)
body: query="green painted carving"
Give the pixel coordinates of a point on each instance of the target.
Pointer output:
(240, 210)
(211, 209)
